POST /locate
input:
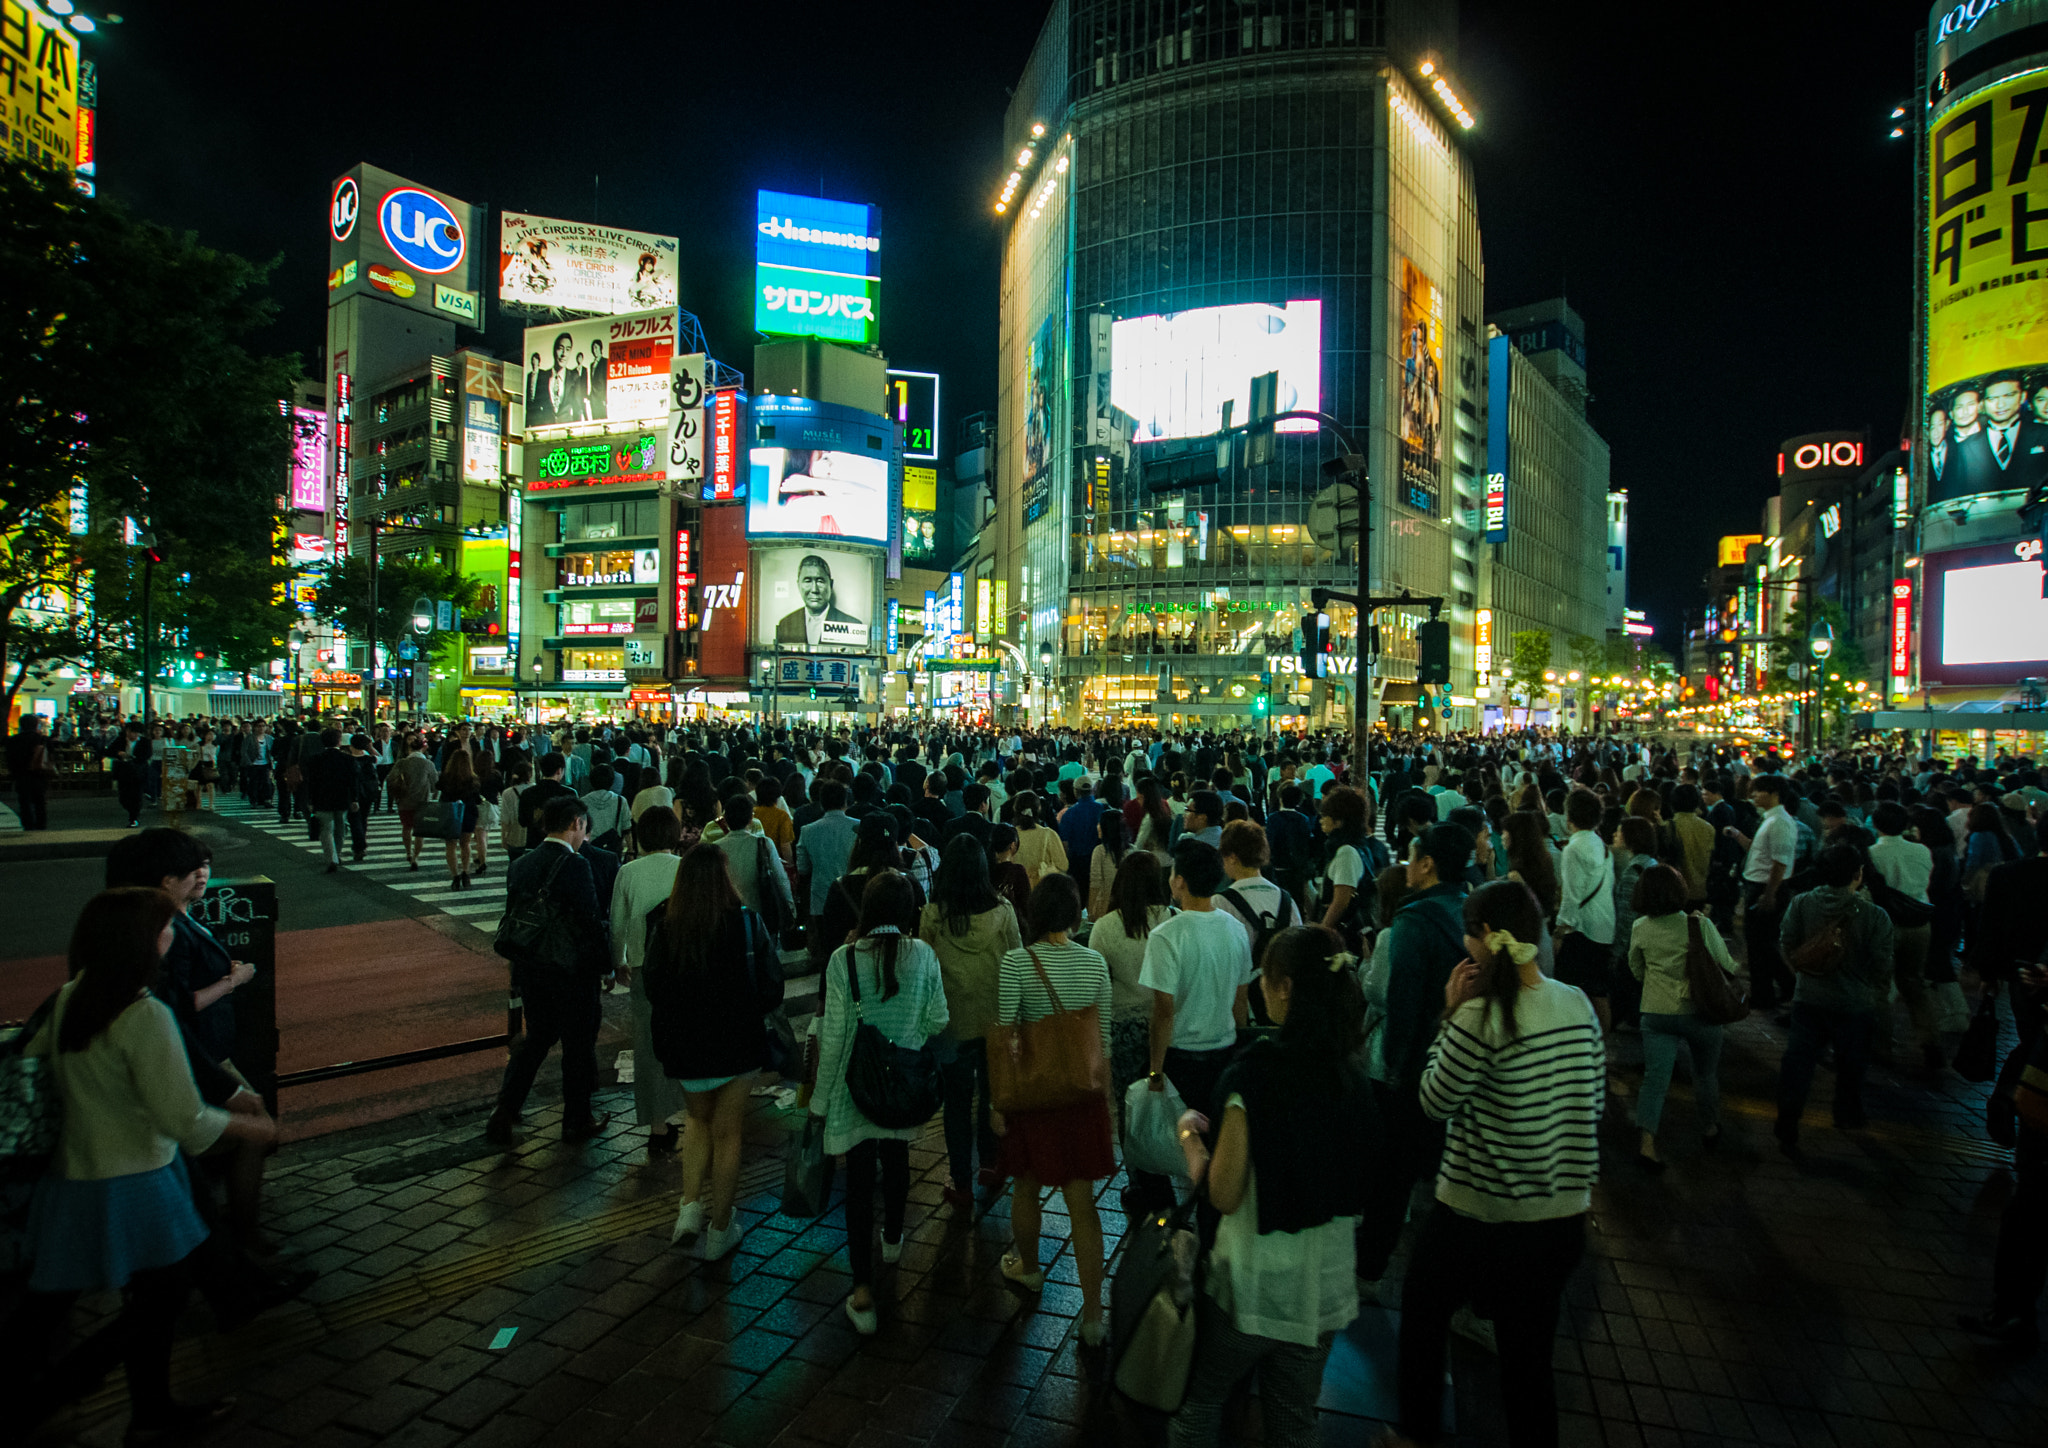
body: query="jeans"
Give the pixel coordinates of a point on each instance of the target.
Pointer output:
(33, 794)
(1661, 1037)
(1415, 1144)
(559, 1007)
(1522, 1267)
(1290, 1380)
(2021, 1266)
(1770, 980)
(968, 1135)
(1812, 1028)
(893, 1158)
(327, 825)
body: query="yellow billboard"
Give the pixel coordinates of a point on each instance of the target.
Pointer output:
(1734, 545)
(1987, 291)
(39, 82)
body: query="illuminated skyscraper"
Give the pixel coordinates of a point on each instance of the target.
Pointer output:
(1211, 214)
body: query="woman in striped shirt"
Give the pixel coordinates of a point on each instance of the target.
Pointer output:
(1066, 1146)
(1518, 1073)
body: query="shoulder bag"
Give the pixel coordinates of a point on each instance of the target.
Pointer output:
(1152, 1309)
(31, 1110)
(764, 885)
(785, 1057)
(534, 931)
(893, 1086)
(1716, 998)
(1048, 1063)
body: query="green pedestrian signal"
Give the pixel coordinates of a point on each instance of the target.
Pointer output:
(1261, 704)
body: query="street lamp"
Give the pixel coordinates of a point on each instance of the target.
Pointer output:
(536, 696)
(1045, 681)
(296, 639)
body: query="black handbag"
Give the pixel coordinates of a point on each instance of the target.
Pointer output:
(785, 1053)
(1152, 1309)
(894, 1086)
(773, 915)
(534, 932)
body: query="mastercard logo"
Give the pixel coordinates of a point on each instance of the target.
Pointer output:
(393, 280)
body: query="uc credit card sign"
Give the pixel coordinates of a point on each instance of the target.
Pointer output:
(817, 268)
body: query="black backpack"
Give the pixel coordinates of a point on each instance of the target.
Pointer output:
(1263, 926)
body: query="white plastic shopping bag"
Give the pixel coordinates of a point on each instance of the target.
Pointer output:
(1151, 1130)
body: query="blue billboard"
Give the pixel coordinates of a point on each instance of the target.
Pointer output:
(1499, 372)
(817, 268)
(818, 470)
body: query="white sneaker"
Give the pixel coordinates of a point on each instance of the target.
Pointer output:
(1474, 1329)
(717, 1244)
(1031, 1279)
(689, 1222)
(863, 1319)
(892, 1252)
(1094, 1333)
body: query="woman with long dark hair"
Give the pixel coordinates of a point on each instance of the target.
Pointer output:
(1531, 860)
(902, 995)
(875, 852)
(1112, 842)
(969, 927)
(711, 974)
(1518, 1072)
(1155, 821)
(115, 1210)
(1039, 849)
(459, 791)
(1066, 1147)
(1138, 901)
(1298, 1135)
(1009, 877)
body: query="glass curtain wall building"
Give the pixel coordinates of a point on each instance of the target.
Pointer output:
(1212, 208)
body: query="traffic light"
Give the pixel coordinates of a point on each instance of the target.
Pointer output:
(1433, 652)
(1261, 704)
(1315, 645)
(156, 553)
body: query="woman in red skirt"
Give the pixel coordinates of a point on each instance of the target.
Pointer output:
(1068, 1146)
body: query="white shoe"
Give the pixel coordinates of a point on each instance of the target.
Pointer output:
(892, 1252)
(1030, 1279)
(1095, 1333)
(717, 1244)
(689, 1222)
(863, 1319)
(1474, 1329)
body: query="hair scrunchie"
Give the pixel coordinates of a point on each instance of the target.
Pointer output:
(1502, 940)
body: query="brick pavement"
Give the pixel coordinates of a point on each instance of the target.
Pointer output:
(1739, 1298)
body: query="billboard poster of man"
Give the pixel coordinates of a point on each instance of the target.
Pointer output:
(820, 599)
(1422, 388)
(601, 369)
(1988, 434)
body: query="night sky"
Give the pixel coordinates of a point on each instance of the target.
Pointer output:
(1721, 203)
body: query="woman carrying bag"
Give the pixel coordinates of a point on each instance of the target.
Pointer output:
(970, 928)
(1063, 1146)
(889, 981)
(644, 885)
(1289, 1177)
(711, 974)
(1659, 955)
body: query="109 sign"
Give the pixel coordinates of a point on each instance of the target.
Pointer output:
(421, 230)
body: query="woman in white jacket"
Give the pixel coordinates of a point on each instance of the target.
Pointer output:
(643, 886)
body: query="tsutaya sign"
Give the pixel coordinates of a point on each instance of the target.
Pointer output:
(1290, 664)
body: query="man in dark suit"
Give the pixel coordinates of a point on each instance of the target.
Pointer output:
(820, 620)
(976, 821)
(2012, 449)
(533, 800)
(560, 996)
(557, 392)
(932, 808)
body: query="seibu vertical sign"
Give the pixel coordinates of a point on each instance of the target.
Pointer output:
(1902, 633)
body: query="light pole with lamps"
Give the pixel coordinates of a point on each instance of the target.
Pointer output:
(536, 699)
(1821, 643)
(1045, 682)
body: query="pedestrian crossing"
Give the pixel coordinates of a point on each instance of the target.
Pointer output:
(384, 862)
(482, 905)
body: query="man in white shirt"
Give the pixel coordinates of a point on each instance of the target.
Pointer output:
(1764, 868)
(1907, 867)
(1198, 966)
(1585, 911)
(1250, 898)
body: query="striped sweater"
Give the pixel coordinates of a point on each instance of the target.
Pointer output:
(1523, 1113)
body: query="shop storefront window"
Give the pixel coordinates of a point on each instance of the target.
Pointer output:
(589, 617)
(593, 666)
(611, 567)
(595, 522)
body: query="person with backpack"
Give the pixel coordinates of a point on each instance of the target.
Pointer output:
(890, 980)
(1425, 941)
(610, 815)
(1659, 941)
(1839, 948)
(1259, 905)
(1294, 1149)
(1351, 856)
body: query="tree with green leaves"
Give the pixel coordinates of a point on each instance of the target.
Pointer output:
(341, 596)
(1834, 678)
(1530, 651)
(132, 394)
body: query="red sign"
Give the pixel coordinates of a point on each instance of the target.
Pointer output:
(722, 602)
(725, 444)
(685, 579)
(1902, 628)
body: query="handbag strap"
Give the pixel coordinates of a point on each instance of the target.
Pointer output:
(853, 979)
(1044, 980)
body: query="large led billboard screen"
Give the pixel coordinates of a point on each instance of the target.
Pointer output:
(1984, 620)
(1422, 388)
(817, 268)
(816, 470)
(602, 369)
(1171, 374)
(573, 266)
(401, 242)
(819, 600)
(1987, 294)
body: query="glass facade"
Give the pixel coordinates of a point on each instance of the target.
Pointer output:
(1196, 157)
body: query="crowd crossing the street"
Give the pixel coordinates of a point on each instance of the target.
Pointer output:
(1139, 1086)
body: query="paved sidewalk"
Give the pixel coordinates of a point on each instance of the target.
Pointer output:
(1739, 1298)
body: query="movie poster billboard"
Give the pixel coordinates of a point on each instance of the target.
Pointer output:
(1421, 380)
(1039, 382)
(573, 266)
(1986, 426)
(611, 370)
(815, 600)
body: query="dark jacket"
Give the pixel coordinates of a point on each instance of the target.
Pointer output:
(972, 823)
(533, 802)
(173, 987)
(195, 961)
(1862, 982)
(706, 1018)
(331, 780)
(2014, 927)
(1427, 942)
(573, 891)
